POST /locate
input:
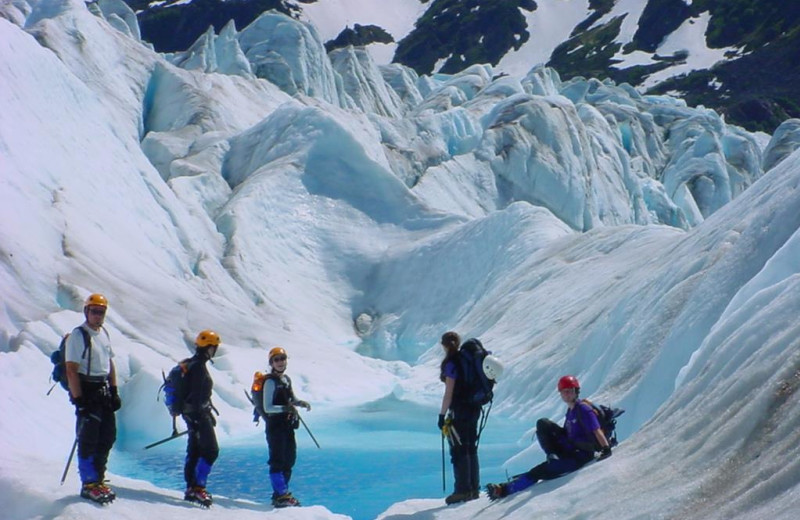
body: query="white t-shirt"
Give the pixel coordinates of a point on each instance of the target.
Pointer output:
(101, 351)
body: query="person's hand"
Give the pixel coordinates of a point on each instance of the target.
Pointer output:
(116, 402)
(440, 423)
(303, 404)
(81, 406)
(605, 453)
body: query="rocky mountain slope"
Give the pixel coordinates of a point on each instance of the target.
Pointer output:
(755, 85)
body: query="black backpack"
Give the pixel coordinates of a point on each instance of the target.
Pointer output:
(59, 373)
(607, 417)
(472, 385)
(174, 391)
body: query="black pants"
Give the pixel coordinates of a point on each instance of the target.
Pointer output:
(464, 456)
(282, 446)
(202, 449)
(553, 440)
(96, 432)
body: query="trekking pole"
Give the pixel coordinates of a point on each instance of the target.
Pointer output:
(444, 485)
(308, 430)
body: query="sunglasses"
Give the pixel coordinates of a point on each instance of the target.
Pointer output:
(279, 358)
(97, 312)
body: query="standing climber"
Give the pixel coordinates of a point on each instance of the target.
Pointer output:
(462, 424)
(92, 381)
(279, 410)
(202, 448)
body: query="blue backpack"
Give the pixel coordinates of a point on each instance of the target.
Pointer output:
(472, 385)
(173, 387)
(58, 358)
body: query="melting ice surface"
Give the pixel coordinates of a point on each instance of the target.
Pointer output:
(370, 458)
(640, 244)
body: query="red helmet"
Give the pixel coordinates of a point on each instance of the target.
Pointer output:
(568, 382)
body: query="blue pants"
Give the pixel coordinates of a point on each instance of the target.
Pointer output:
(553, 440)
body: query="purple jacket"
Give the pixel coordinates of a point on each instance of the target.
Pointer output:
(580, 431)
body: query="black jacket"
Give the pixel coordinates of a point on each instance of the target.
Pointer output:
(198, 385)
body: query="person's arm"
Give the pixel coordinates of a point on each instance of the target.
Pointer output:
(605, 447)
(73, 351)
(269, 397)
(601, 438)
(73, 379)
(447, 398)
(112, 374)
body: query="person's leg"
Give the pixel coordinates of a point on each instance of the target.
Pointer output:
(291, 456)
(107, 435)
(470, 440)
(278, 442)
(517, 483)
(463, 455)
(550, 469)
(462, 484)
(88, 434)
(192, 453)
(550, 436)
(207, 450)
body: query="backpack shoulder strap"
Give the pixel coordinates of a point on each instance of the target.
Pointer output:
(87, 341)
(186, 365)
(87, 345)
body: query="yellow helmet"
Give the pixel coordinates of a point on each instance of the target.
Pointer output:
(207, 338)
(96, 299)
(276, 351)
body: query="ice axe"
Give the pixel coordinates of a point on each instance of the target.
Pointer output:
(175, 435)
(72, 451)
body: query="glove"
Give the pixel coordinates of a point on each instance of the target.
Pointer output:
(440, 423)
(605, 453)
(303, 404)
(116, 402)
(81, 405)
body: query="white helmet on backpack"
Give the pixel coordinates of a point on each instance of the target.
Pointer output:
(492, 367)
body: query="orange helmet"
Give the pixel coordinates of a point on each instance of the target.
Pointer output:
(568, 382)
(276, 351)
(96, 299)
(207, 338)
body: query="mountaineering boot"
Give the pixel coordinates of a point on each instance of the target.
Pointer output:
(475, 483)
(455, 498)
(496, 491)
(95, 492)
(285, 500)
(107, 491)
(199, 495)
(463, 480)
